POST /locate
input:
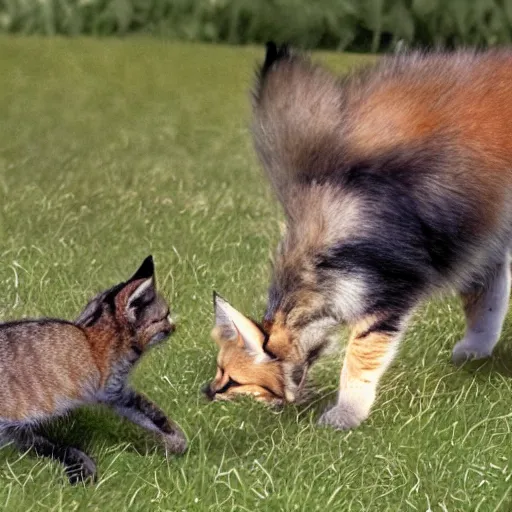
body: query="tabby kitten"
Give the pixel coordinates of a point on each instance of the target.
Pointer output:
(49, 366)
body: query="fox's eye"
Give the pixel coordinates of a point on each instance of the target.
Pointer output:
(229, 384)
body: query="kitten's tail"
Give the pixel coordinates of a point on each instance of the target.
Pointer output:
(297, 118)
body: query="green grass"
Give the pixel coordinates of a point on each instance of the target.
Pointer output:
(110, 150)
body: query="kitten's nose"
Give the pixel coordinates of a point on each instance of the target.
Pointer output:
(172, 325)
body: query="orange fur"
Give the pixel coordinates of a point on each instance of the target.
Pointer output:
(234, 362)
(280, 342)
(242, 368)
(365, 353)
(468, 101)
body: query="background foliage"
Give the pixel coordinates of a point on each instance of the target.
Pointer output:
(360, 25)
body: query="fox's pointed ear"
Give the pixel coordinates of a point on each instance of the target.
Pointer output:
(224, 324)
(234, 325)
(145, 271)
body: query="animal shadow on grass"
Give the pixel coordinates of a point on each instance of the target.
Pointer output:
(97, 428)
(501, 360)
(93, 431)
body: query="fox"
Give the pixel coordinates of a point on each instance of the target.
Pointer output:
(48, 367)
(395, 181)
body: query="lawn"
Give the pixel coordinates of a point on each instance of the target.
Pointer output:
(111, 150)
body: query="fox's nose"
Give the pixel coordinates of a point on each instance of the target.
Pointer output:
(208, 391)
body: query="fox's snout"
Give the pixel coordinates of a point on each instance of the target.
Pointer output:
(208, 391)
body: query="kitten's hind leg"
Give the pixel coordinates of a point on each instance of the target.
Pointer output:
(4, 439)
(78, 466)
(485, 308)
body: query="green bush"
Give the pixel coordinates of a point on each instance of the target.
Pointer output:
(362, 25)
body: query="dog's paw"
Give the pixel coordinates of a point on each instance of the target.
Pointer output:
(350, 411)
(466, 350)
(341, 417)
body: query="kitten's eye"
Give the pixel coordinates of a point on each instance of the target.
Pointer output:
(167, 318)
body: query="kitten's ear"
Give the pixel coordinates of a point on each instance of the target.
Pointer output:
(234, 325)
(145, 271)
(139, 298)
(145, 292)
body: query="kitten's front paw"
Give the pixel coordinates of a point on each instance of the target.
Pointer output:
(176, 442)
(84, 469)
(466, 350)
(349, 412)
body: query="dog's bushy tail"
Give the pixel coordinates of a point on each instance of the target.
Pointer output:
(297, 119)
